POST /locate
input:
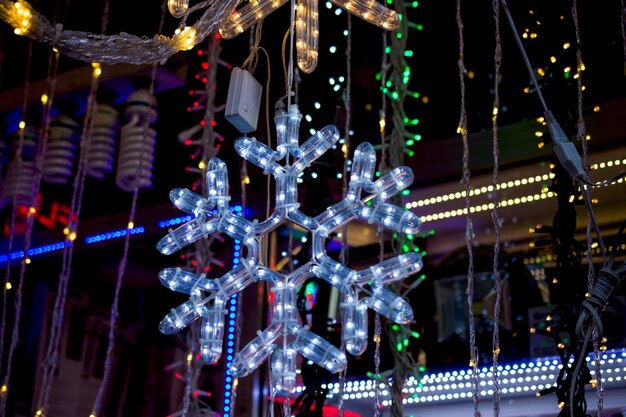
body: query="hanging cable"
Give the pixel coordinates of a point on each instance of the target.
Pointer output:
(469, 232)
(381, 167)
(494, 213)
(121, 271)
(6, 372)
(581, 135)
(51, 358)
(35, 182)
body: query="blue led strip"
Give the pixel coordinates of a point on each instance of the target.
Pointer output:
(113, 235)
(101, 237)
(34, 251)
(231, 330)
(176, 221)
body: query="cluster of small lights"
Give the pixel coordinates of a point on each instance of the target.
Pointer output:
(113, 235)
(229, 383)
(515, 379)
(396, 86)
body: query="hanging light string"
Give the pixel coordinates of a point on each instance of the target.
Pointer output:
(494, 213)
(17, 157)
(343, 254)
(121, 271)
(203, 252)
(47, 100)
(395, 146)
(7, 278)
(582, 137)
(469, 232)
(382, 164)
(51, 358)
(292, 22)
(292, 25)
(123, 47)
(53, 64)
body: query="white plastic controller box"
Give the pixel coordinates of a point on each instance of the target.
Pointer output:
(244, 101)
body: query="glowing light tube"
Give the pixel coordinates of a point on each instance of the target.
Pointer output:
(371, 11)
(248, 15)
(318, 350)
(354, 324)
(390, 305)
(212, 333)
(283, 370)
(307, 35)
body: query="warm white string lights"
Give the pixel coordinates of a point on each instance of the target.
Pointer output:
(123, 47)
(307, 22)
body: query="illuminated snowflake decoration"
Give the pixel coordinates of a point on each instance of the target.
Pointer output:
(285, 337)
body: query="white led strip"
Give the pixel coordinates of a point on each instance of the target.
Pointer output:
(517, 379)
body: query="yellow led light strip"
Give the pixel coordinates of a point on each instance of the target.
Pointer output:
(482, 190)
(489, 206)
(505, 185)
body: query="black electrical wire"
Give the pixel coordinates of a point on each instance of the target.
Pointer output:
(605, 182)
